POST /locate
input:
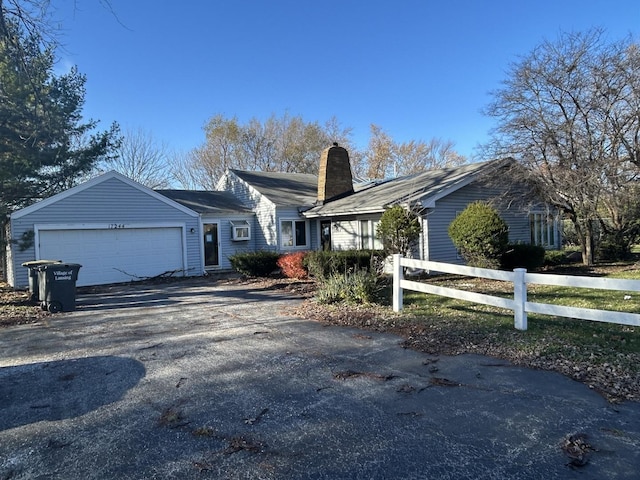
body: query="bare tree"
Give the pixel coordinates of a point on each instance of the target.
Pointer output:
(387, 158)
(34, 19)
(282, 144)
(569, 113)
(379, 154)
(141, 158)
(418, 156)
(183, 172)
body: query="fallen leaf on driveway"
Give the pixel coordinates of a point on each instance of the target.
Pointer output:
(443, 382)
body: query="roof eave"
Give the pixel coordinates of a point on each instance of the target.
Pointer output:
(361, 211)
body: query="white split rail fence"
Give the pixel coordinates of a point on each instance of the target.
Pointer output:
(520, 279)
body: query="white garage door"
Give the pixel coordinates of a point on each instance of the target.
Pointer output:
(115, 255)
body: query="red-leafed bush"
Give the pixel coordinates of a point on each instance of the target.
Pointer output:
(292, 265)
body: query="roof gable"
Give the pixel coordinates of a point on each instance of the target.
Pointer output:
(282, 189)
(96, 181)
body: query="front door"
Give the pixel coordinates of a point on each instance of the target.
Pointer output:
(211, 248)
(325, 235)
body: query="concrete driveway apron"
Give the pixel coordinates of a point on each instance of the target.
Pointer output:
(213, 379)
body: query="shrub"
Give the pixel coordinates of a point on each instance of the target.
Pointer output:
(613, 247)
(480, 235)
(330, 289)
(523, 255)
(399, 229)
(356, 287)
(255, 264)
(555, 257)
(292, 265)
(323, 264)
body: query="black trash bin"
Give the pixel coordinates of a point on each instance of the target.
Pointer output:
(57, 286)
(34, 289)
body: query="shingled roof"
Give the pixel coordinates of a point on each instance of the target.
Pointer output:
(283, 189)
(425, 187)
(206, 201)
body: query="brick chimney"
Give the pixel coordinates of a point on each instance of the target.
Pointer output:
(334, 176)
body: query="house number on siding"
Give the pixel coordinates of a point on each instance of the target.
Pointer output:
(116, 225)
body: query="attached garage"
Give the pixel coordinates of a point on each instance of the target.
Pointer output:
(117, 229)
(113, 255)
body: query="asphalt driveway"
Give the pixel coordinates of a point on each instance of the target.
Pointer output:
(202, 379)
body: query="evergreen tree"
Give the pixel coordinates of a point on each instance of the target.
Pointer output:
(399, 229)
(44, 143)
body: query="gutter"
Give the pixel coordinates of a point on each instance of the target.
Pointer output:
(308, 214)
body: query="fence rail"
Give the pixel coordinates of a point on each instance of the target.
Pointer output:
(520, 279)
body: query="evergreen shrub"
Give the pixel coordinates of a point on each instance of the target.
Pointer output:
(523, 255)
(399, 229)
(255, 264)
(323, 264)
(480, 235)
(555, 257)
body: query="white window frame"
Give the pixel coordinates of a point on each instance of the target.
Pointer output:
(371, 240)
(238, 230)
(293, 245)
(543, 227)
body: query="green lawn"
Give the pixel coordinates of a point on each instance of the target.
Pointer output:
(546, 335)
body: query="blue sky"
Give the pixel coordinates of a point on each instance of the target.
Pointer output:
(418, 69)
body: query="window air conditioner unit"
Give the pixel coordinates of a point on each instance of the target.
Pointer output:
(240, 230)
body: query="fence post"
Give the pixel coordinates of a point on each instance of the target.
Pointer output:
(519, 298)
(397, 278)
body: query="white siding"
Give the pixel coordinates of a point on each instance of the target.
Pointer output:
(345, 234)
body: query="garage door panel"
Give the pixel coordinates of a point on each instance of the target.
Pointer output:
(115, 255)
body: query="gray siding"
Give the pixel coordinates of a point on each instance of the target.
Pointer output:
(228, 246)
(107, 202)
(435, 243)
(291, 213)
(268, 215)
(314, 228)
(267, 238)
(439, 246)
(265, 210)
